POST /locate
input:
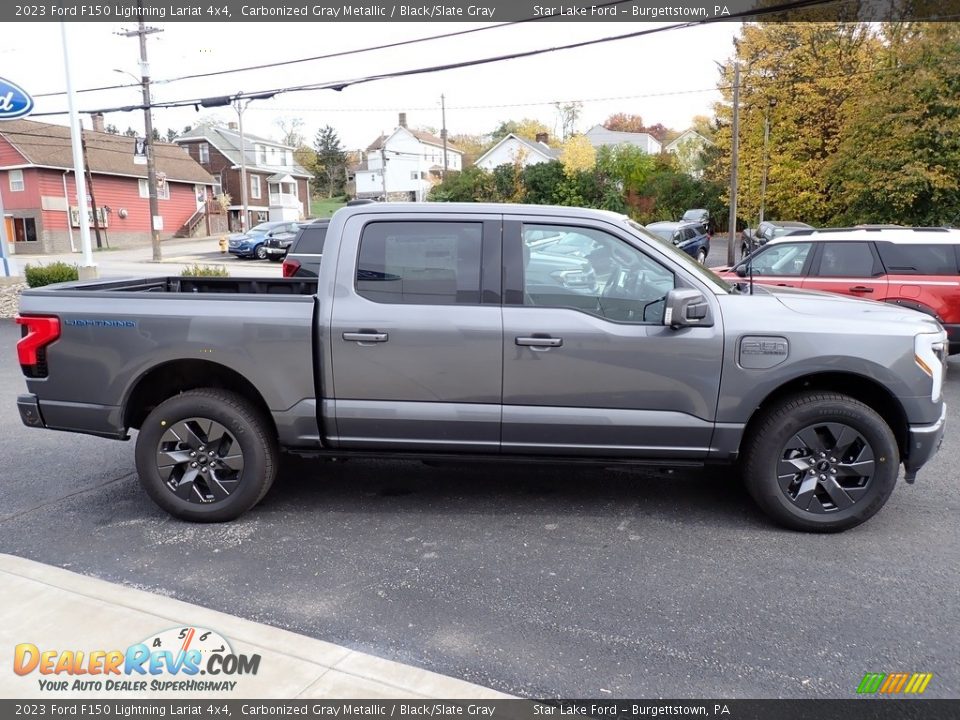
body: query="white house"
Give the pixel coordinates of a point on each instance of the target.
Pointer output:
(414, 164)
(514, 148)
(688, 147)
(599, 136)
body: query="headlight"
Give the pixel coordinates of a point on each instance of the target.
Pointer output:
(929, 352)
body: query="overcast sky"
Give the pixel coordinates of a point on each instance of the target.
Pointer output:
(666, 77)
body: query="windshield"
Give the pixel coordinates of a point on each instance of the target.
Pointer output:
(662, 233)
(261, 228)
(682, 258)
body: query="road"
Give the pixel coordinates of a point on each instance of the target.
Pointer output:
(535, 580)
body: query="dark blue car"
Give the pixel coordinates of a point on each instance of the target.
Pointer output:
(691, 237)
(253, 242)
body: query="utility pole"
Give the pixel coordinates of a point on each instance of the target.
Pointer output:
(383, 164)
(443, 133)
(93, 199)
(142, 31)
(734, 162)
(766, 156)
(240, 106)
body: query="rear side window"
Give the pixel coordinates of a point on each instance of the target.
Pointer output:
(848, 259)
(910, 259)
(420, 263)
(311, 240)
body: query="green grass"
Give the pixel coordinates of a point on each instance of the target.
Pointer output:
(325, 207)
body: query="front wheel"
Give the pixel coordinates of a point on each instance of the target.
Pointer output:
(261, 252)
(206, 455)
(820, 462)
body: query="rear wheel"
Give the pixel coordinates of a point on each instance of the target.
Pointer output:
(744, 251)
(206, 455)
(821, 462)
(702, 256)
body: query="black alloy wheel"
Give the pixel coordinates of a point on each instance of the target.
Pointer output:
(199, 460)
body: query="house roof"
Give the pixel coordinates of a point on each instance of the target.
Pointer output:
(599, 136)
(424, 137)
(50, 145)
(547, 152)
(685, 135)
(227, 141)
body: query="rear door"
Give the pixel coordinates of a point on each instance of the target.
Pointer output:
(849, 268)
(417, 334)
(592, 370)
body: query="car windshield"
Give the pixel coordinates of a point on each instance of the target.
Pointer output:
(664, 233)
(682, 258)
(261, 228)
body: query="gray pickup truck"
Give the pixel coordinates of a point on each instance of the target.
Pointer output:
(440, 331)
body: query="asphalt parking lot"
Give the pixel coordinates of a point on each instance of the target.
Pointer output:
(539, 581)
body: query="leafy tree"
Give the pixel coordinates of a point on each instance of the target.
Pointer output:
(171, 135)
(577, 155)
(568, 115)
(330, 159)
(473, 184)
(130, 132)
(812, 71)
(541, 180)
(625, 122)
(525, 128)
(155, 135)
(472, 146)
(899, 161)
(508, 182)
(112, 129)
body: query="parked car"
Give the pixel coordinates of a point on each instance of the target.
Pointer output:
(252, 244)
(690, 237)
(278, 245)
(306, 250)
(917, 268)
(753, 238)
(423, 336)
(702, 216)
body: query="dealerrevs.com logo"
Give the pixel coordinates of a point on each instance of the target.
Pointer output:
(179, 660)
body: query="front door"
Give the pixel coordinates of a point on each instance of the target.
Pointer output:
(416, 334)
(589, 368)
(848, 268)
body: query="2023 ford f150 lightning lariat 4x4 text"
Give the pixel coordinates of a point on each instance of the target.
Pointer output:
(437, 330)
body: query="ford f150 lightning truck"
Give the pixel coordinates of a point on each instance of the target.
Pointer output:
(427, 334)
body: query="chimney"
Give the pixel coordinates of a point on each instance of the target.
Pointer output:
(403, 120)
(543, 138)
(232, 125)
(97, 122)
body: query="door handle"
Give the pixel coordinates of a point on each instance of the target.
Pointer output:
(539, 342)
(861, 289)
(366, 336)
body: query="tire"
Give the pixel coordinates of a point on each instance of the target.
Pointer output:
(796, 436)
(276, 258)
(260, 252)
(702, 256)
(238, 446)
(744, 251)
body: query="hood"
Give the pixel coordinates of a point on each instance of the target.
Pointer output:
(827, 305)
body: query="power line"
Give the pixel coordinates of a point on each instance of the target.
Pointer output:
(342, 53)
(342, 84)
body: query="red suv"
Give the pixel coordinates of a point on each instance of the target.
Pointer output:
(918, 268)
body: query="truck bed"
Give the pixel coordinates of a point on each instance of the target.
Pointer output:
(179, 284)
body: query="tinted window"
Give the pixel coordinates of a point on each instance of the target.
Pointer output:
(918, 259)
(614, 280)
(311, 240)
(785, 259)
(846, 259)
(420, 263)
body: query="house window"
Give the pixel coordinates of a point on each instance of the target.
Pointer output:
(414, 175)
(263, 154)
(204, 153)
(217, 188)
(24, 229)
(16, 181)
(163, 190)
(255, 187)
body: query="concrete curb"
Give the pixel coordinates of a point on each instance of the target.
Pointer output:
(57, 609)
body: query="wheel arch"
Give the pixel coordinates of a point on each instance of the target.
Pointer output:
(176, 376)
(866, 390)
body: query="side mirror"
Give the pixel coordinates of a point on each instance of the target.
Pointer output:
(686, 307)
(741, 271)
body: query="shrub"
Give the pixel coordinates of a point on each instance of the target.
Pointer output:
(198, 270)
(40, 275)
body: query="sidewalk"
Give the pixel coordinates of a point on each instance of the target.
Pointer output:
(56, 609)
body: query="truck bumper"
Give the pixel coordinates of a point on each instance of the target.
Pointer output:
(30, 411)
(924, 442)
(100, 420)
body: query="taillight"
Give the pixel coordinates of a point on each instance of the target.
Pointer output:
(39, 331)
(290, 268)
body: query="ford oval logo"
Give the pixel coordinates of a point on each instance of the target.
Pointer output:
(14, 101)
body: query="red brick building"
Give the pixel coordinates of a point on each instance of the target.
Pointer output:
(40, 198)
